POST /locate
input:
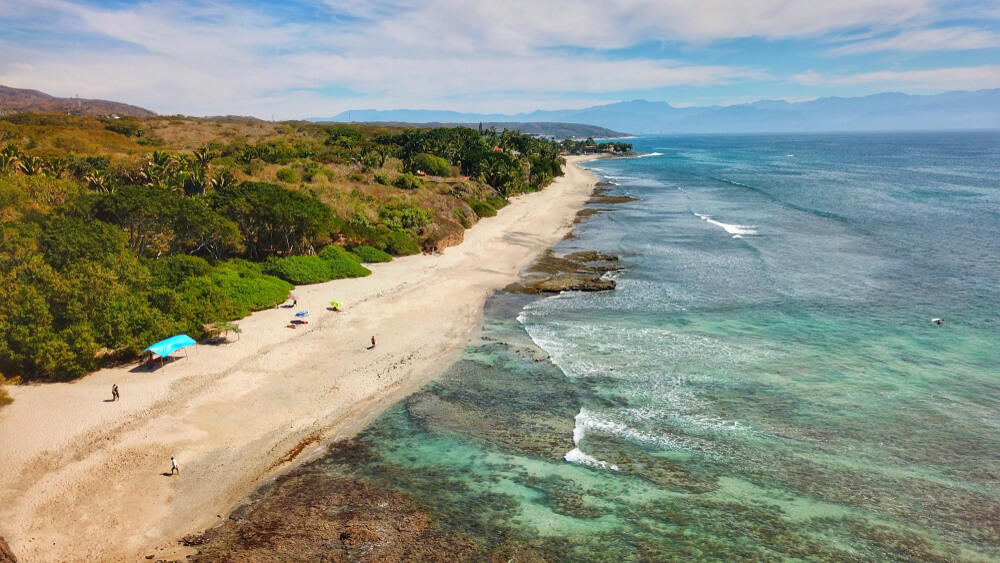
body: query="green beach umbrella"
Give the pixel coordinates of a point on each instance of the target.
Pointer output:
(336, 304)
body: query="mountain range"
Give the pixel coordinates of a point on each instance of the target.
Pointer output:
(19, 100)
(878, 112)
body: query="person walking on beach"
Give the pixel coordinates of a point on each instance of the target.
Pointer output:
(373, 342)
(173, 466)
(114, 393)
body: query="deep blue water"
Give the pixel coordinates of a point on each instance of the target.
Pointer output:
(765, 383)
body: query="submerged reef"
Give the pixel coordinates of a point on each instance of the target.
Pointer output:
(310, 515)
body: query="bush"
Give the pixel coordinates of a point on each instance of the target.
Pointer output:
(343, 264)
(288, 175)
(249, 291)
(408, 182)
(429, 163)
(497, 202)
(382, 179)
(400, 216)
(357, 177)
(171, 271)
(299, 269)
(482, 208)
(370, 255)
(5, 398)
(397, 243)
(462, 218)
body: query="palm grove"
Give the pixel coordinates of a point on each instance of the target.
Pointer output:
(117, 233)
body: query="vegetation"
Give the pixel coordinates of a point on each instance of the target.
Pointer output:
(369, 255)
(590, 146)
(117, 233)
(343, 264)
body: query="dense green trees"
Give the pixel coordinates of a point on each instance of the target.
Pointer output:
(103, 253)
(274, 220)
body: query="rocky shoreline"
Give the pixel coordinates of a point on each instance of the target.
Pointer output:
(309, 514)
(579, 271)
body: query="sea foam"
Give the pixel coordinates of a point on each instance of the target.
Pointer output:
(738, 231)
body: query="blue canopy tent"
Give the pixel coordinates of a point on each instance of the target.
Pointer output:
(166, 347)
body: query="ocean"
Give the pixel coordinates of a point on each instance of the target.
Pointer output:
(765, 383)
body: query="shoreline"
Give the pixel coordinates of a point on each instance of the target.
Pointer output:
(88, 479)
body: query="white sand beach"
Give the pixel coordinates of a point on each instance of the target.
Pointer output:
(86, 479)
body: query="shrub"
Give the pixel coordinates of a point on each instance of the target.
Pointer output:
(171, 271)
(401, 216)
(429, 163)
(482, 208)
(397, 243)
(343, 264)
(248, 290)
(408, 182)
(382, 179)
(299, 269)
(4, 398)
(497, 202)
(288, 175)
(462, 218)
(370, 255)
(357, 177)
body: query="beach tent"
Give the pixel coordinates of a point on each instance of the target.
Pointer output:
(166, 347)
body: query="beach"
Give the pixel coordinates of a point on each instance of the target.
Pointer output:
(85, 478)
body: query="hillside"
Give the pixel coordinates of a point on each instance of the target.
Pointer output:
(17, 100)
(115, 233)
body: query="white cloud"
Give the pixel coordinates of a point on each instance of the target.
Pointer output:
(938, 79)
(947, 39)
(207, 57)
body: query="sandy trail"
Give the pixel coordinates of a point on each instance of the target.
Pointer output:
(85, 479)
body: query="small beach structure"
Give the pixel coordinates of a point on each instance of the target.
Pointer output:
(166, 347)
(218, 333)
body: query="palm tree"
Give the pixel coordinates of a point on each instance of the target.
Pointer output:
(33, 166)
(163, 159)
(204, 156)
(98, 181)
(223, 179)
(59, 166)
(9, 162)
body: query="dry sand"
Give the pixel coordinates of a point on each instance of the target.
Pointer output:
(86, 479)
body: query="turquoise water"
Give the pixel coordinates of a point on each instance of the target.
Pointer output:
(764, 385)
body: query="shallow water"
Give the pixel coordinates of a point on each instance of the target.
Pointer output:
(764, 385)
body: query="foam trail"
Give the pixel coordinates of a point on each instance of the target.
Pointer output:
(738, 231)
(576, 455)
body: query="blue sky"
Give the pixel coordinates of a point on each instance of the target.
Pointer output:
(320, 57)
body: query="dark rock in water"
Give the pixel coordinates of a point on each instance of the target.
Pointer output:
(600, 195)
(591, 256)
(572, 282)
(612, 199)
(309, 515)
(579, 271)
(6, 555)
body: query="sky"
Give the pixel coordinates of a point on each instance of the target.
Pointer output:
(317, 58)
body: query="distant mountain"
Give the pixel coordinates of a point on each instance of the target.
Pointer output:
(888, 111)
(17, 100)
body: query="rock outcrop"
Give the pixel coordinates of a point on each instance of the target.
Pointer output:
(579, 271)
(6, 555)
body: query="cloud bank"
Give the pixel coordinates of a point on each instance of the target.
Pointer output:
(315, 57)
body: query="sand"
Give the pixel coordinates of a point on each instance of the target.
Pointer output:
(83, 478)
